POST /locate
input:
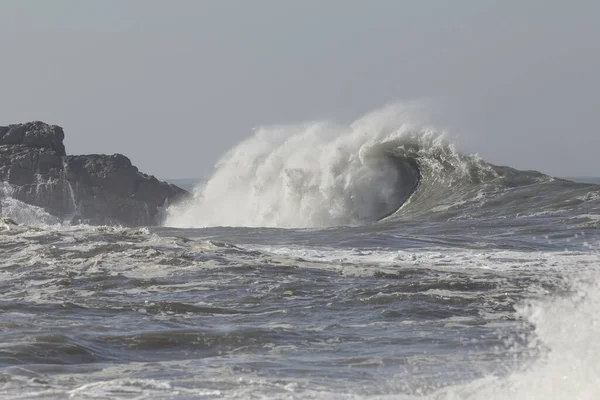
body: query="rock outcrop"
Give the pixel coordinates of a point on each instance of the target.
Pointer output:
(96, 189)
(34, 134)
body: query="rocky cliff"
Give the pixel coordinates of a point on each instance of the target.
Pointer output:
(96, 189)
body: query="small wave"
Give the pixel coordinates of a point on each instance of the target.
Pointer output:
(183, 308)
(129, 387)
(208, 343)
(49, 349)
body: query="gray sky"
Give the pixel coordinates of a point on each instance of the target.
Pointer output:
(174, 84)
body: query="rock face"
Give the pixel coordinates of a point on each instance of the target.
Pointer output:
(34, 134)
(96, 189)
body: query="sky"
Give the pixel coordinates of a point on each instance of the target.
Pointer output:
(174, 84)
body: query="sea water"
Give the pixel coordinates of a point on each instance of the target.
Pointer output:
(368, 261)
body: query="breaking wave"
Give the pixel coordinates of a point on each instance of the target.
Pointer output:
(21, 212)
(565, 338)
(321, 174)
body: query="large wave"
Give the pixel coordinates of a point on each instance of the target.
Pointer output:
(322, 174)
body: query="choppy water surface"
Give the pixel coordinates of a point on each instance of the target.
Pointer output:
(436, 310)
(418, 273)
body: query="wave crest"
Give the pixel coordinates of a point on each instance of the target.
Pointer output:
(322, 174)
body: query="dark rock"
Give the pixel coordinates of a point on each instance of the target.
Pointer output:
(97, 189)
(34, 134)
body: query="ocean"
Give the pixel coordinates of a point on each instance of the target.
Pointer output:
(372, 261)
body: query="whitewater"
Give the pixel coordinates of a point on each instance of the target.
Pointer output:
(369, 260)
